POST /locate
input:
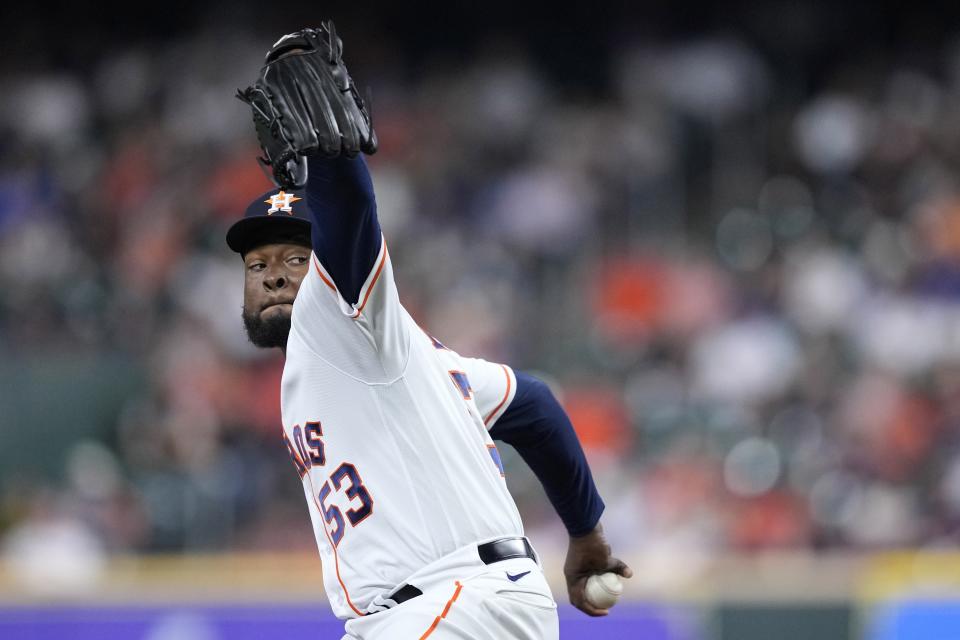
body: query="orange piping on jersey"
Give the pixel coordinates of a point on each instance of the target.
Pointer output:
(316, 265)
(443, 615)
(505, 396)
(376, 276)
(336, 561)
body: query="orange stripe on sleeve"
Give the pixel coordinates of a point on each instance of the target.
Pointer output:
(376, 276)
(316, 265)
(506, 394)
(446, 610)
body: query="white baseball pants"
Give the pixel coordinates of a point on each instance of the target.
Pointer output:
(506, 600)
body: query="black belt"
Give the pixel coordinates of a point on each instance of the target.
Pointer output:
(505, 549)
(489, 552)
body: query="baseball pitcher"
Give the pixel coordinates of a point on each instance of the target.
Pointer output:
(391, 432)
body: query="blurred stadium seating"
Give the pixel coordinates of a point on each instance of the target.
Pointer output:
(732, 245)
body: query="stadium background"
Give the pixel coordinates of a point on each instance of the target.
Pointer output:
(730, 238)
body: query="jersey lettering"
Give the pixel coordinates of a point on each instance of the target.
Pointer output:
(306, 450)
(297, 462)
(463, 383)
(495, 455)
(313, 432)
(306, 460)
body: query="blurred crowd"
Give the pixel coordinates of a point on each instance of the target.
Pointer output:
(744, 287)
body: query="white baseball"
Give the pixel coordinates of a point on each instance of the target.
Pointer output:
(603, 591)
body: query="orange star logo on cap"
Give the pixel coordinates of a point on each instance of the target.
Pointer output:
(281, 202)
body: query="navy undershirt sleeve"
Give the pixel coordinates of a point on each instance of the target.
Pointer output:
(538, 428)
(345, 230)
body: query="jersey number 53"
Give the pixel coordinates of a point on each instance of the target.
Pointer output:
(307, 451)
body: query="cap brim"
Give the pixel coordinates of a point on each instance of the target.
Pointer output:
(247, 233)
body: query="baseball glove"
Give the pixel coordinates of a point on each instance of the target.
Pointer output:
(304, 102)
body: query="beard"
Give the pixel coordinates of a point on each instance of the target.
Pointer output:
(267, 332)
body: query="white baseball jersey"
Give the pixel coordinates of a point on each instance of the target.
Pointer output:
(388, 429)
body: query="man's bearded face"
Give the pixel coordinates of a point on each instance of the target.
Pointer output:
(272, 277)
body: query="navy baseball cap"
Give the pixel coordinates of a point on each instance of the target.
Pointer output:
(276, 216)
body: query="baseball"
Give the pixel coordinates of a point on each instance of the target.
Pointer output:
(603, 591)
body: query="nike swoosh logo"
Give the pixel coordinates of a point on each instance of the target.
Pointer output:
(516, 577)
